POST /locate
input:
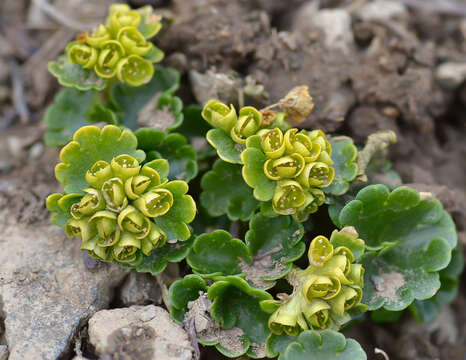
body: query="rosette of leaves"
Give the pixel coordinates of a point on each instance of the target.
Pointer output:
(226, 314)
(290, 170)
(118, 49)
(325, 292)
(231, 130)
(121, 210)
(174, 147)
(409, 240)
(271, 247)
(224, 192)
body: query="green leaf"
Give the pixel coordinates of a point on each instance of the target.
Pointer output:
(67, 114)
(89, 145)
(173, 147)
(98, 112)
(128, 100)
(183, 291)
(193, 124)
(227, 149)
(253, 173)
(182, 212)
(158, 259)
(411, 240)
(60, 205)
(224, 192)
(173, 104)
(426, 310)
(235, 304)
(274, 243)
(323, 345)
(218, 253)
(150, 25)
(75, 76)
(344, 154)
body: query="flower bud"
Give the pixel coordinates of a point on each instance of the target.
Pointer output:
(81, 54)
(288, 317)
(154, 203)
(133, 41)
(98, 37)
(320, 286)
(136, 185)
(122, 18)
(314, 199)
(284, 167)
(134, 70)
(80, 228)
(125, 249)
(346, 299)
(300, 143)
(114, 194)
(155, 239)
(99, 173)
(318, 137)
(132, 221)
(125, 166)
(249, 122)
(219, 115)
(90, 203)
(106, 224)
(316, 312)
(317, 174)
(273, 143)
(110, 54)
(320, 251)
(288, 196)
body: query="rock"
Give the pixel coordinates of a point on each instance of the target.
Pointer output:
(46, 291)
(138, 332)
(383, 10)
(140, 289)
(3, 352)
(450, 75)
(335, 24)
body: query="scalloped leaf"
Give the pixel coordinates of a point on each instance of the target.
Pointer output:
(323, 345)
(98, 113)
(150, 23)
(274, 243)
(89, 145)
(426, 310)
(183, 291)
(174, 222)
(253, 172)
(75, 76)
(173, 104)
(159, 258)
(224, 192)
(227, 149)
(235, 304)
(127, 101)
(217, 253)
(67, 114)
(344, 154)
(410, 239)
(173, 147)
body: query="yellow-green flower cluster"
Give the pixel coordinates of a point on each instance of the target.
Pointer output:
(115, 217)
(323, 293)
(299, 162)
(118, 49)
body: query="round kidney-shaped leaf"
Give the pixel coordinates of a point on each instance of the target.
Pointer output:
(324, 345)
(409, 239)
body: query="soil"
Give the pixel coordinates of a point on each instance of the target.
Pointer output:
(381, 75)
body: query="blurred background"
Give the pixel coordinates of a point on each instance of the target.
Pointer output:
(370, 65)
